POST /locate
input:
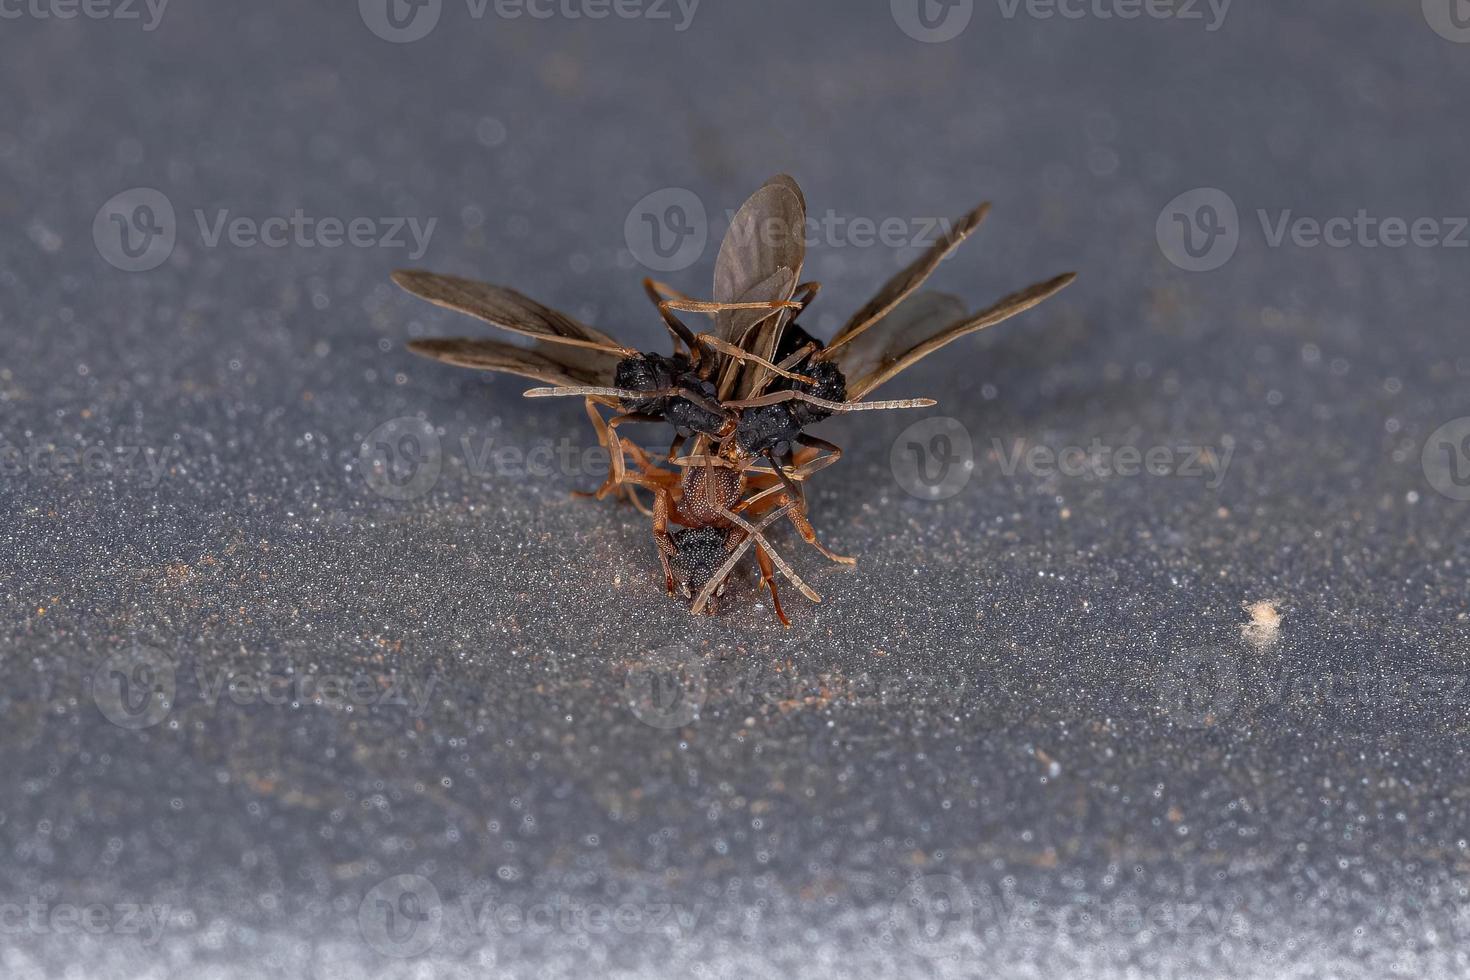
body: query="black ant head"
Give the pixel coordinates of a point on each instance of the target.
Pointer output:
(830, 386)
(766, 428)
(699, 553)
(773, 428)
(649, 372)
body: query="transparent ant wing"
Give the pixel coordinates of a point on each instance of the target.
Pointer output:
(760, 259)
(504, 308)
(912, 277)
(919, 326)
(917, 318)
(550, 362)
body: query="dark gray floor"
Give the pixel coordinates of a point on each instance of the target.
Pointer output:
(1036, 696)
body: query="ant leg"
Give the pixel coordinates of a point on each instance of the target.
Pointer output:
(768, 579)
(659, 291)
(808, 292)
(600, 427)
(753, 532)
(809, 535)
(642, 459)
(638, 503)
(833, 454)
(733, 558)
(704, 459)
(740, 354)
(675, 326)
(797, 356)
(681, 332)
(798, 514)
(650, 470)
(794, 492)
(617, 468)
(662, 508)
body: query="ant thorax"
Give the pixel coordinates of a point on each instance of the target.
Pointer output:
(688, 418)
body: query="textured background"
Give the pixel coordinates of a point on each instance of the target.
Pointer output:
(1027, 736)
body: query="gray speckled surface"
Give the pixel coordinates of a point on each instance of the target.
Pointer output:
(1037, 694)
